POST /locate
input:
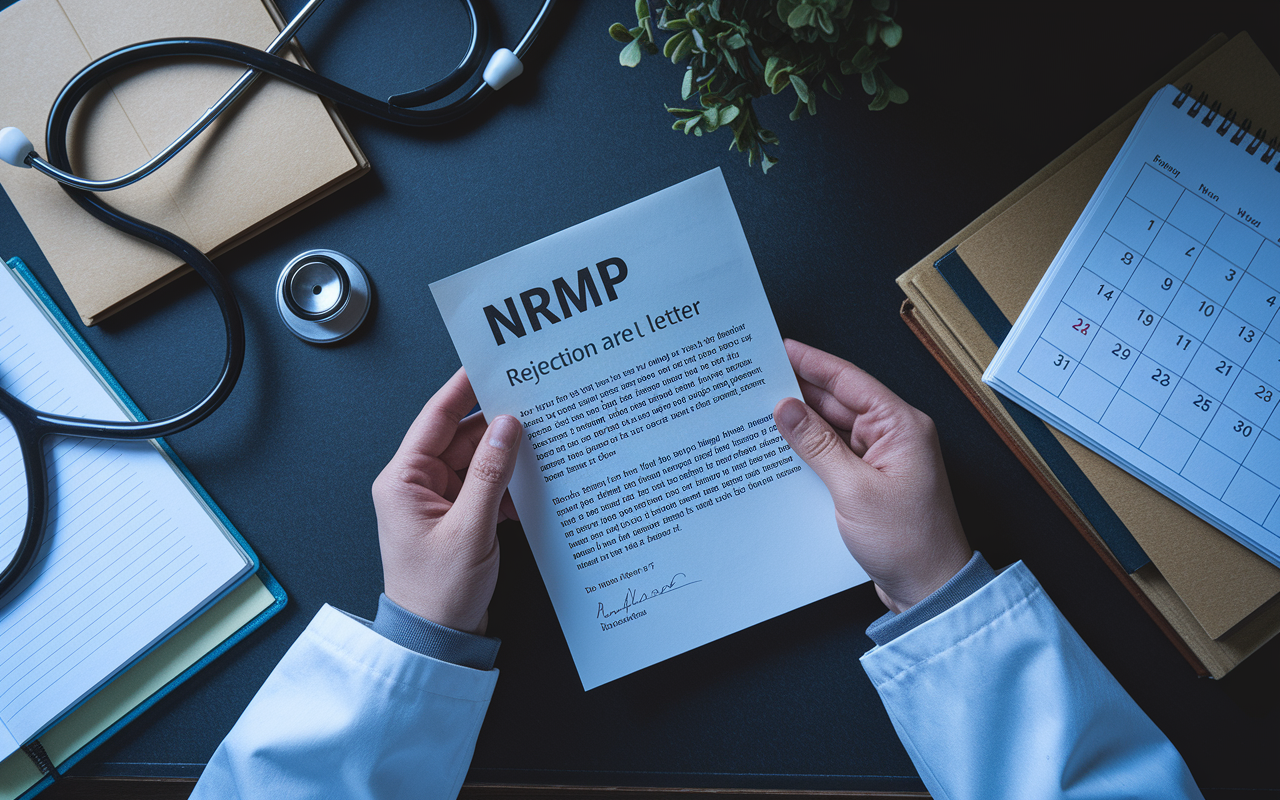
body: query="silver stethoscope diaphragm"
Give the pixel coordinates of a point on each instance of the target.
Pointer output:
(323, 296)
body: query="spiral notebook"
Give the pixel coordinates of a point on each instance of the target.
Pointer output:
(1153, 337)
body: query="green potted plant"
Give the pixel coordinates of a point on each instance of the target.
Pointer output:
(740, 50)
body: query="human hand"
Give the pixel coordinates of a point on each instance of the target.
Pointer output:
(880, 459)
(439, 502)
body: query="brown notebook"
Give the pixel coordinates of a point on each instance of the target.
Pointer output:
(1214, 599)
(278, 150)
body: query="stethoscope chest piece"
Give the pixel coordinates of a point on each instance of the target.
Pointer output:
(323, 296)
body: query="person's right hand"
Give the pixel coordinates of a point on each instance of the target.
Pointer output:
(880, 459)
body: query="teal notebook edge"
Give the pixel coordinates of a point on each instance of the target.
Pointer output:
(268, 580)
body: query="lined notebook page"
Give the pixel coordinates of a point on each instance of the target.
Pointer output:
(130, 551)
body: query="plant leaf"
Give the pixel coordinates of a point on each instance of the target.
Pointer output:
(630, 55)
(646, 40)
(800, 16)
(732, 62)
(670, 46)
(642, 9)
(770, 67)
(863, 60)
(619, 31)
(802, 88)
(823, 20)
(891, 34)
(686, 86)
(683, 49)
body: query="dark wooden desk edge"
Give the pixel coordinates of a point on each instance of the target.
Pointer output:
(180, 789)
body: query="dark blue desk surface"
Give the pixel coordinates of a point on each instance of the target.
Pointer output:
(996, 92)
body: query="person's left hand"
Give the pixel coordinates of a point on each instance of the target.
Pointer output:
(439, 502)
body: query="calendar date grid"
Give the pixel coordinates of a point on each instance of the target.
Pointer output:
(1168, 343)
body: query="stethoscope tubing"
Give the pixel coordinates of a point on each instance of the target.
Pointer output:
(193, 130)
(30, 435)
(83, 82)
(275, 66)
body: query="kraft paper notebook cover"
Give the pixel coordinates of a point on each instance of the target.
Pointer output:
(1211, 596)
(128, 667)
(277, 150)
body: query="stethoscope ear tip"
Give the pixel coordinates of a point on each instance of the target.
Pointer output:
(15, 147)
(502, 68)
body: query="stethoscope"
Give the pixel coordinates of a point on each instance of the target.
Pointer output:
(321, 291)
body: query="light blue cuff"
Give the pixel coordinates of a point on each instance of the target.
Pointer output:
(971, 577)
(420, 635)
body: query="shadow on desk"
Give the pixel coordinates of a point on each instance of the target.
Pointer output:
(180, 789)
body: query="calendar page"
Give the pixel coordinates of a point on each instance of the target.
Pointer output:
(1153, 337)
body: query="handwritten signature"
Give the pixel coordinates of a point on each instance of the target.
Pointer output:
(632, 598)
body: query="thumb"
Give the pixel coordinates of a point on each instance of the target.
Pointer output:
(817, 443)
(488, 475)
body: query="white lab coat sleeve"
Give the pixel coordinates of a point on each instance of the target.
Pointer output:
(349, 714)
(998, 697)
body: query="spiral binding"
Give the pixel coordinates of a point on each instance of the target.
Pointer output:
(1243, 130)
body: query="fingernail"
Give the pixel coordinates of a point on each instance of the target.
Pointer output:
(789, 413)
(504, 433)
